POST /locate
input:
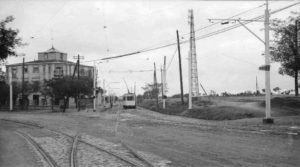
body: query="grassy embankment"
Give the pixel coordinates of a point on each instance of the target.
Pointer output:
(227, 108)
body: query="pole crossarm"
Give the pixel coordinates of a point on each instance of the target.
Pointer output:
(226, 21)
(76, 57)
(235, 20)
(252, 32)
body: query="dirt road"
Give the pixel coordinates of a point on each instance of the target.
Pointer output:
(171, 140)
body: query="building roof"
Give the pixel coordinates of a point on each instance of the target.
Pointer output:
(47, 62)
(52, 50)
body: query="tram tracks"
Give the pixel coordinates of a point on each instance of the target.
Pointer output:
(137, 161)
(42, 152)
(73, 154)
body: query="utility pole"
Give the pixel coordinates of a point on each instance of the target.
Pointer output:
(297, 61)
(66, 100)
(162, 81)
(104, 92)
(180, 69)
(155, 87)
(134, 87)
(190, 81)
(10, 89)
(256, 85)
(78, 76)
(164, 84)
(268, 118)
(193, 72)
(78, 93)
(94, 92)
(23, 100)
(265, 67)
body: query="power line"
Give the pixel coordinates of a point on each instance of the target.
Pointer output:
(210, 25)
(238, 25)
(163, 46)
(197, 38)
(50, 19)
(172, 58)
(202, 28)
(127, 71)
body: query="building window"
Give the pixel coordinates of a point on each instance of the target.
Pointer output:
(49, 68)
(82, 72)
(25, 69)
(90, 73)
(46, 56)
(61, 56)
(35, 86)
(58, 72)
(14, 72)
(35, 69)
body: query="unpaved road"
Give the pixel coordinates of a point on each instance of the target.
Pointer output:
(167, 140)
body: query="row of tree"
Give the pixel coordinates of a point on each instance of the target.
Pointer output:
(58, 88)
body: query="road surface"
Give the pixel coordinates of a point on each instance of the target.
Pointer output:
(163, 140)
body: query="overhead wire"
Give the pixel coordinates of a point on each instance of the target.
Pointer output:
(210, 25)
(105, 28)
(169, 64)
(245, 22)
(127, 71)
(50, 19)
(218, 22)
(199, 37)
(153, 47)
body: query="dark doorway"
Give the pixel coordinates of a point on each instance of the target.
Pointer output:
(36, 99)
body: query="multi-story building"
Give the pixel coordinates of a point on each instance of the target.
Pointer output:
(50, 64)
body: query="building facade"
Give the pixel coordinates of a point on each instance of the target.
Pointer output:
(50, 64)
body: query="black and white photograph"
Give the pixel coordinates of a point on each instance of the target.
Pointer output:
(149, 83)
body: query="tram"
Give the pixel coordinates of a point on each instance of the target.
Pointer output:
(129, 100)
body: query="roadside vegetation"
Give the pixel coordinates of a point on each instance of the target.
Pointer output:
(226, 108)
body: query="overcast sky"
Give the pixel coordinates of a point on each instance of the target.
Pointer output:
(98, 29)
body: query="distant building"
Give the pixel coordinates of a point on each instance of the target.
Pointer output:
(50, 64)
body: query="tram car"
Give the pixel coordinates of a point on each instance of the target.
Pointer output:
(129, 100)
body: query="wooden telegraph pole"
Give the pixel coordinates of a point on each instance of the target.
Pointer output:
(23, 68)
(78, 77)
(155, 87)
(164, 86)
(180, 69)
(297, 61)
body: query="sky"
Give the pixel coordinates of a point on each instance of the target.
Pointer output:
(99, 29)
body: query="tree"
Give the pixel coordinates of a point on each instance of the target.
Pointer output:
(67, 86)
(9, 39)
(276, 89)
(63, 88)
(4, 91)
(284, 47)
(150, 91)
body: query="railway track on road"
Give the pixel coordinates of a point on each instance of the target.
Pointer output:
(137, 161)
(116, 155)
(73, 154)
(42, 152)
